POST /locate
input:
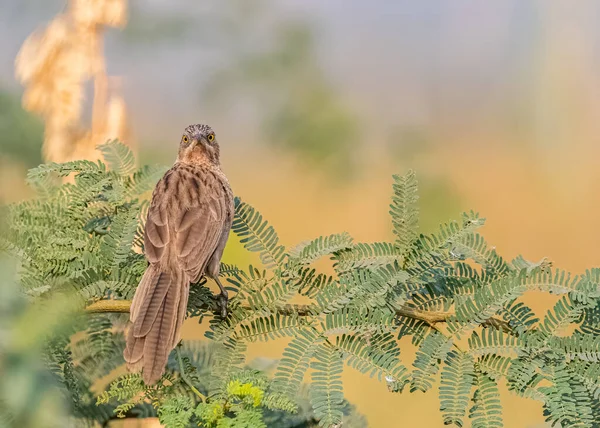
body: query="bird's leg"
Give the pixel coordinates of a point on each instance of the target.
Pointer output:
(223, 297)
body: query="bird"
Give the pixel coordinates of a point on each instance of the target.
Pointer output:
(187, 227)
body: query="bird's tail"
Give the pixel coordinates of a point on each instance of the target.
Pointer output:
(157, 313)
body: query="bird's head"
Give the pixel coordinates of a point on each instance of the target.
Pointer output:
(199, 145)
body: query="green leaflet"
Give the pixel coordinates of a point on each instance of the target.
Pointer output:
(434, 347)
(118, 157)
(474, 247)
(296, 360)
(124, 388)
(367, 256)
(405, 211)
(326, 394)
(591, 320)
(176, 411)
(268, 328)
(519, 316)
(37, 175)
(486, 411)
(417, 330)
(310, 251)
(492, 341)
(523, 377)
(585, 347)
(120, 237)
(228, 361)
(365, 358)
(494, 366)
(249, 282)
(565, 312)
(312, 283)
(554, 281)
(448, 234)
(257, 235)
(143, 181)
(487, 301)
(354, 320)
(589, 375)
(566, 402)
(99, 351)
(455, 387)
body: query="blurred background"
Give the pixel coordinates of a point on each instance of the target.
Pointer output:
(316, 104)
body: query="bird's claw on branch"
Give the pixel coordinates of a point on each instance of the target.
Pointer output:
(223, 300)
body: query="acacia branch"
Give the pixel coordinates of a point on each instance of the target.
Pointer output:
(430, 317)
(105, 306)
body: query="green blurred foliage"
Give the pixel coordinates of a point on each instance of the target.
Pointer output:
(274, 66)
(145, 26)
(438, 199)
(409, 142)
(29, 397)
(413, 146)
(22, 133)
(267, 61)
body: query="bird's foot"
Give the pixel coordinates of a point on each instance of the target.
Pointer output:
(223, 300)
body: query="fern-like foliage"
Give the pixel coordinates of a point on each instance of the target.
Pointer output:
(405, 211)
(296, 360)
(118, 158)
(450, 292)
(326, 394)
(364, 255)
(434, 348)
(455, 388)
(486, 411)
(372, 358)
(310, 251)
(83, 234)
(257, 235)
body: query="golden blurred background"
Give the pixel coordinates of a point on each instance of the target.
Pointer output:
(317, 104)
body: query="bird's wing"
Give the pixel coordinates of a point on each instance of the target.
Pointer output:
(198, 234)
(185, 219)
(156, 233)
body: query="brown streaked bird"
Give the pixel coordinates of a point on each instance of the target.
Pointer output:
(186, 231)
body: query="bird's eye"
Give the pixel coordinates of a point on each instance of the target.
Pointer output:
(185, 139)
(211, 137)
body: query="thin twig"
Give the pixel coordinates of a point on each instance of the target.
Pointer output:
(430, 317)
(186, 379)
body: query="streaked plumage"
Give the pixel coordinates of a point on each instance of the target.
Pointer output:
(186, 231)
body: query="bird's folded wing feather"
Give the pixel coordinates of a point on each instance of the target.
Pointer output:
(185, 220)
